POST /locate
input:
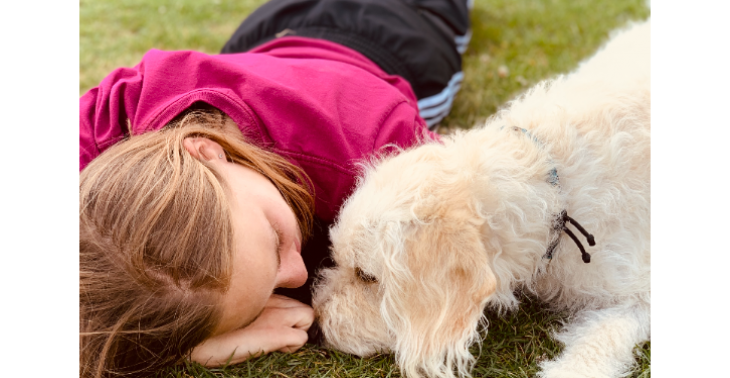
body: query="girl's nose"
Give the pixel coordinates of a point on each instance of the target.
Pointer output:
(292, 272)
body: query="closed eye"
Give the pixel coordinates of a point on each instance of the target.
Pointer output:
(277, 242)
(364, 277)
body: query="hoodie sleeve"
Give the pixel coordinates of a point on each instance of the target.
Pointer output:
(104, 112)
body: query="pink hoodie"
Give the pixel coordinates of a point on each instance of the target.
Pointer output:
(321, 105)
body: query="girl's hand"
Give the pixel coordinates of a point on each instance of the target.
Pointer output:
(282, 326)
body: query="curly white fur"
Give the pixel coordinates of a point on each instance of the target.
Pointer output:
(450, 228)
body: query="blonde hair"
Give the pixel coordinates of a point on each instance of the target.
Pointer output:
(156, 243)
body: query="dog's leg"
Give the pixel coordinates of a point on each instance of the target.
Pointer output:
(599, 343)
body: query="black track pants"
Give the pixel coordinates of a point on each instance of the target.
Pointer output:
(419, 40)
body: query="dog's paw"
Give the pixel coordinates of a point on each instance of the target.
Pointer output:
(561, 368)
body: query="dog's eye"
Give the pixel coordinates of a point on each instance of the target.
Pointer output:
(364, 277)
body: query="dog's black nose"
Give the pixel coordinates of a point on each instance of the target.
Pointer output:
(315, 335)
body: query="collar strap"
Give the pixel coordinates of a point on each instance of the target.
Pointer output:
(560, 226)
(553, 175)
(563, 218)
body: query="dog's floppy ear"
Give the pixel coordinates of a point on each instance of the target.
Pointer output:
(434, 296)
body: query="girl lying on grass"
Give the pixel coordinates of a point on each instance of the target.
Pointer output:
(209, 181)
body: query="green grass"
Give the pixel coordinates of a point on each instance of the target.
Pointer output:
(533, 39)
(117, 33)
(512, 348)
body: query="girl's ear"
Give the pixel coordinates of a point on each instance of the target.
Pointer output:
(203, 148)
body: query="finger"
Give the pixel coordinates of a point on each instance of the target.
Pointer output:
(295, 339)
(294, 317)
(282, 339)
(284, 318)
(306, 318)
(276, 300)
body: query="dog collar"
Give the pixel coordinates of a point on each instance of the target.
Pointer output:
(559, 224)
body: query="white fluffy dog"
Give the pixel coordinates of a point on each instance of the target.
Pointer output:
(436, 233)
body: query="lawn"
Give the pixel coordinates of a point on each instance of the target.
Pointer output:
(514, 45)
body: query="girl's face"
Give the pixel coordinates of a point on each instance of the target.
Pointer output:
(266, 236)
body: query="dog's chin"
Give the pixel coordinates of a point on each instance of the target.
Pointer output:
(348, 318)
(359, 337)
(362, 348)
